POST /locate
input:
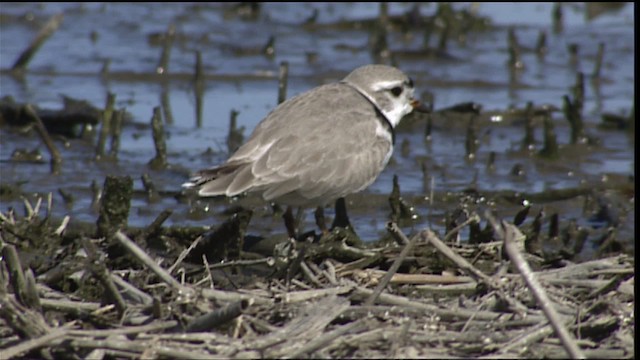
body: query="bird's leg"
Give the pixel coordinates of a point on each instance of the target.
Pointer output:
(290, 222)
(341, 219)
(322, 225)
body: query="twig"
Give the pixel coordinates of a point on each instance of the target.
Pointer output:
(445, 314)
(100, 271)
(395, 266)
(508, 233)
(133, 292)
(139, 254)
(309, 274)
(395, 231)
(139, 347)
(30, 345)
(306, 295)
(218, 317)
(461, 262)
(326, 339)
(269, 261)
(47, 30)
(44, 134)
(474, 218)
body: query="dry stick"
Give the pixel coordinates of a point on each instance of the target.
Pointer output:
(44, 134)
(508, 233)
(523, 342)
(309, 274)
(184, 254)
(30, 345)
(461, 262)
(133, 292)
(100, 271)
(395, 231)
(306, 295)
(395, 266)
(326, 339)
(148, 262)
(47, 30)
(445, 314)
(68, 306)
(139, 347)
(310, 323)
(269, 261)
(166, 277)
(127, 330)
(218, 317)
(454, 231)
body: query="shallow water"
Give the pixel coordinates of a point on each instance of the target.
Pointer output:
(70, 61)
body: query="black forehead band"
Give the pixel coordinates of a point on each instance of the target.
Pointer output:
(410, 82)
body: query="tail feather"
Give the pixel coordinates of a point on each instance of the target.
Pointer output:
(205, 176)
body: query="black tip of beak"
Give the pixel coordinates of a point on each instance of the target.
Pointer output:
(421, 108)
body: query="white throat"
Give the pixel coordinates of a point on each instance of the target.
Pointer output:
(396, 114)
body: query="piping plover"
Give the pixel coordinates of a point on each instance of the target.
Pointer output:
(318, 146)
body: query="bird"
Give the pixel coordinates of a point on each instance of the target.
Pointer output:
(318, 146)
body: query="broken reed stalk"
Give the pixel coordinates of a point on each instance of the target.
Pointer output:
(44, 134)
(198, 85)
(471, 140)
(166, 104)
(394, 201)
(160, 161)
(47, 30)
(550, 147)
(395, 266)
(163, 64)
(283, 78)
(556, 18)
(105, 128)
(156, 224)
(150, 188)
(529, 138)
(116, 121)
(235, 137)
(515, 59)
(508, 234)
(114, 205)
(598, 64)
(541, 45)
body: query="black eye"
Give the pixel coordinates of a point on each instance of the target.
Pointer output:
(396, 91)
